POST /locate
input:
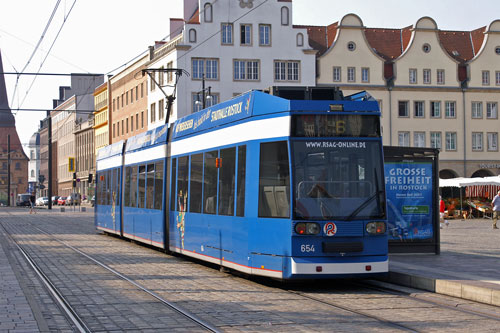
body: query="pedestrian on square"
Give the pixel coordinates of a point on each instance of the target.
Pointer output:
(32, 203)
(442, 208)
(495, 205)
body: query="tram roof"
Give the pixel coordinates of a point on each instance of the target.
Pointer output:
(153, 137)
(110, 150)
(257, 103)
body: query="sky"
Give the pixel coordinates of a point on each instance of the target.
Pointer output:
(97, 36)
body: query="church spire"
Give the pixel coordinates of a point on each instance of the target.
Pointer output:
(6, 117)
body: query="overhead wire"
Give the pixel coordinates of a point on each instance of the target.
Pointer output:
(48, 52)
(37, 46)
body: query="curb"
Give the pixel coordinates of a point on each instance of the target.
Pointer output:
(476, 291)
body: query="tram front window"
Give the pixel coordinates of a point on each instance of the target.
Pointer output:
(336, 179)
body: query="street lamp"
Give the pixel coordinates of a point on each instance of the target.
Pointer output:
(204, 98)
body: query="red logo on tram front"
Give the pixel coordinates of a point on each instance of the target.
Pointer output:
(330, 229)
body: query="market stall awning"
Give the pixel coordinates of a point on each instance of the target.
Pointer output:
(495, 180)
(452, 182)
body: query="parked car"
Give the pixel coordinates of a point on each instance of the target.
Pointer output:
(54, 199)
(92, 201)
(61, 201)
(74, 199)
(42, 201)
(23, 200)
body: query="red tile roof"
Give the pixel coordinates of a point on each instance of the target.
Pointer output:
(385, 42)
(195, 19)
(317, 37)
(477, 37)
(458, 44)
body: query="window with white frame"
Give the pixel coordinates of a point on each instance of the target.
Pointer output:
(413, 75)
(337, 74)
(485, 78)
(477, 110)
(161, 109)
(435, 109)
(351, 74)
(264, 34)
(497, 78)
(227, 34)
(419, 109)
(246, 34)
(419, 139)
(286, 70)
(170, 75)
(492, 110)
(204, 66)
(403, 109)
(152, 84)
(440, 76)
(427, 76)
(192, 35)
(207, 12)
(451, 140)
(300, 39)
(246, 70)
(450, 108)
(284, 16)
(365, 74)
(492, 141)
(404, 139)
(436, 140)
(152, 113)
(477, 141)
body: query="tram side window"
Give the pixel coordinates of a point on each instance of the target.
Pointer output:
(158, 185)
(142, 186)
(210, 183)
(173, 182)
(227, 181)
(108, 187)
(274, 180)
(150, 186)
(98, 188)
(240, 198)
(112, 192)
(133, 187)
(117, 187)
(195, 191)
(182, 183)
(126, 187)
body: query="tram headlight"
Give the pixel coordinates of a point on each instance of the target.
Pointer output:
(313, 228)
(376, 228)
(307, 228)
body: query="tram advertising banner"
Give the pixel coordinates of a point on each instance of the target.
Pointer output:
(409, 187)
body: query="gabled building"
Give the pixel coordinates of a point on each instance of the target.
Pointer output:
(13, 160)
(226, 48)
(435, 88)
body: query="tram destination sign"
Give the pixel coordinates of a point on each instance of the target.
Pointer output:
(335, 125)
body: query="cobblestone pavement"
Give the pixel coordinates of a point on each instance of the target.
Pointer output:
(230, 303)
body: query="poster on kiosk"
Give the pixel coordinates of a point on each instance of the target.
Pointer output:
(409, 187)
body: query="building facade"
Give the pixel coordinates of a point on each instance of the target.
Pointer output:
(70, 119)
(101, 116)
(85, 157)
(228, 57)
(34, 163)
(436, 88)
(128, 102)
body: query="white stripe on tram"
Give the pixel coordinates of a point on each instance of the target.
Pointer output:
(252, 130)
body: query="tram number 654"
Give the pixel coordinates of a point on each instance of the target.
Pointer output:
(307, 248)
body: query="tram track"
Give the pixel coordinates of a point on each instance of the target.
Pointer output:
(385, 290)
(70, 313)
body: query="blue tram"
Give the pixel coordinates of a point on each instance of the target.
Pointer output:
(259, 184)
